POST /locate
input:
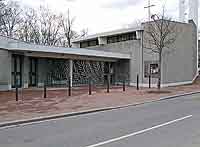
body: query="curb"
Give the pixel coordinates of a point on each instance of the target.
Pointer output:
(62, 115)
(178, 95)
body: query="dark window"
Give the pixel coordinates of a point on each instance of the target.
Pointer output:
(84, 44)
(16, 71)
(89, 43)
(33, 72)
(106, 68)
(93, 43)
(122, 37)
(146, 70)
(154, 69)
(150, 69)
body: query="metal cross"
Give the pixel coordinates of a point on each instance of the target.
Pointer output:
(149, 8)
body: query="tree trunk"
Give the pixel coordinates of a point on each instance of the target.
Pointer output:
(159, 70)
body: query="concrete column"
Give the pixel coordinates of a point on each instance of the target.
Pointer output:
(71, 71)
(5, 67)
(9, 65)
(193, 15)
(141, 52)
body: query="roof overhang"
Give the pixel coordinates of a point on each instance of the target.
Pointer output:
(58, 52)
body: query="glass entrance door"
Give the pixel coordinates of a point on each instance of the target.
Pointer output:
(16, 71)
(33, 72)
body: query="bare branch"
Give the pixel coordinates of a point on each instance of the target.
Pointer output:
(160, 34)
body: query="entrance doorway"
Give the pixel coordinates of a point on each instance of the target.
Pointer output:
(16, 70)
(33, 72)
(109, 71)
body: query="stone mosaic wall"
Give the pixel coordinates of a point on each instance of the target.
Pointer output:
(58, 73)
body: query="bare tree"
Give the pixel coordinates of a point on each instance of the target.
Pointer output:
(83, 32)
(2, 6)
(37, 26)
(135, 24)
(11, 19)
(2, 13)
(67, 25)
(29, 28)
(40, 27)
(50, 27)
(161, 34)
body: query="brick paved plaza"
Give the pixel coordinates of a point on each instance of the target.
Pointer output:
(32, 104)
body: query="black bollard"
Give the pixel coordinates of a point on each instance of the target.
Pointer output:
(108, 83)
(45, 91)
(149, 81)
(137, 82)
(69, 88)
(124, 85)
(90, 87)
(16, 92)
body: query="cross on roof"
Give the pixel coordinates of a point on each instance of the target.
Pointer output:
(149, 9)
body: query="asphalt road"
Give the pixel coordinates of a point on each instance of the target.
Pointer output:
(168, 123)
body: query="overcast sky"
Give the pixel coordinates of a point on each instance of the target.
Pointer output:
(105, 15)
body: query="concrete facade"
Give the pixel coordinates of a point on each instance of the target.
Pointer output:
(186, 51)
(16, 64)
(131, 47)
(125, 58)
(5, 67)
(179, 64)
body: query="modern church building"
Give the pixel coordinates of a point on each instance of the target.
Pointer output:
(28, 65)
(112, 56)
(179, 64)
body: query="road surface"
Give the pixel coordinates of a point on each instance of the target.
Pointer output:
(168, 123)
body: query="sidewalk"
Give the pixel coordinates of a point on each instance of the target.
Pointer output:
(34, 105)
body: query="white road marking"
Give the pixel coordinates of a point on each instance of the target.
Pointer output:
(139, 132)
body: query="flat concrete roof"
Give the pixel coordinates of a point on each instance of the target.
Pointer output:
(104, 34)
(17, 45)
(114, 32)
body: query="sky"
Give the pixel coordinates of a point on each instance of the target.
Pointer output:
(105, 15)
